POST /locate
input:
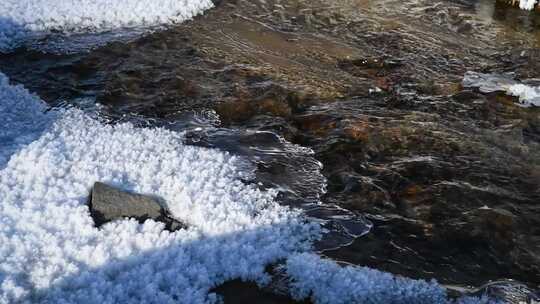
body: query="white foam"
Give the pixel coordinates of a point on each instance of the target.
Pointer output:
(325, 282)
(51, 253)
(20, 19)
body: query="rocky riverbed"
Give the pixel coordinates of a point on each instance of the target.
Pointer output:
(448, 177)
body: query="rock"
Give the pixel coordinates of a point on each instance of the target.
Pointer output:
(108, 204)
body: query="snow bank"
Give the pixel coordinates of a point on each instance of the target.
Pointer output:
(50, 251)
(20, 19)
(487, 83)
(326, 282)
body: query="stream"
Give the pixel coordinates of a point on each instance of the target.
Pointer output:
(353, 110)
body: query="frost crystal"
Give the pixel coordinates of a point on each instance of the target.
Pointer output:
(325, 282)
(20, 19)
(52, 253)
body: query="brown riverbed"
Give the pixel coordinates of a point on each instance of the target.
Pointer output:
(449, 177)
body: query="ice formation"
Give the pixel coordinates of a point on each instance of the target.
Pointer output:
(20, 19)
(325, 282)
(50, 250)
(529, 95)
(23, 118)
(51, 253)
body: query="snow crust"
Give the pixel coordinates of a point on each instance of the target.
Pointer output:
(20, 19)
(50, 251)
(325, 282)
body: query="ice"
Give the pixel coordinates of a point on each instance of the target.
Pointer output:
(487, 83)
(527, 4)
(21, 19)
(23, 118)
(529, 95)
(326, 282)
(52, 253)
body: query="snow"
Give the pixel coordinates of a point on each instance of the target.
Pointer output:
(20, 19)
(49, 159)
(529, 95)
(23, 118)
(527, 4)
(51, 253)
(325, 282)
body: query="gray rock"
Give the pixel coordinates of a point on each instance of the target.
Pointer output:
(109, 204)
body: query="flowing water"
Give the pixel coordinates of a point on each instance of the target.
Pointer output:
(352, 109)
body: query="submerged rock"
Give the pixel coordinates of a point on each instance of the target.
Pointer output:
(108, 204)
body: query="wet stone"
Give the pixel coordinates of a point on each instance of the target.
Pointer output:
(108, 204)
